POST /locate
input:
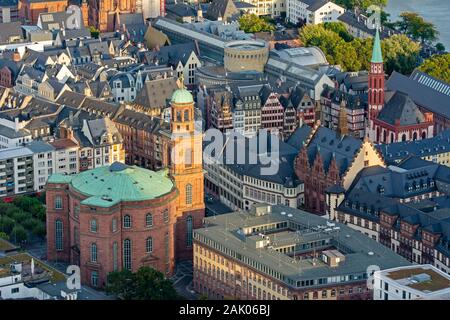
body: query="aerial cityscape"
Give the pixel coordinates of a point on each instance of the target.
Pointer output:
(199, 150)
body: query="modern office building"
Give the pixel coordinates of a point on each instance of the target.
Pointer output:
(281, 253)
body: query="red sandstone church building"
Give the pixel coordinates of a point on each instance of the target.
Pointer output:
(393, 116)
(123, 217)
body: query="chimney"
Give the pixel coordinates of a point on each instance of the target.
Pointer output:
(16, 124)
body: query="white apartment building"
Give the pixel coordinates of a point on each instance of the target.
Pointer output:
(415, 282)
(66, 156)
(312, 11)
(26, 169)
(12, 134)
(43, 163)
(16, 171)
(272, 8)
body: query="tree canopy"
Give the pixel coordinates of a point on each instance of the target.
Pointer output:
(145, 284)
(399, 52)
(251, 23)
(437, 66)
(363, 4)
(24, 217)
(415, 26)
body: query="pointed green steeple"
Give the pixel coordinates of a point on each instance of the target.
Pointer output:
(377, 56)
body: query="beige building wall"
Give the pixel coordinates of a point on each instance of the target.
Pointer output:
(367, 156)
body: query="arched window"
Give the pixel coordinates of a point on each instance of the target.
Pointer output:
(179, 116)
(59, 235)
(76, 236)
(186, 115)
(58, 202)
(93, 252)
(166, 215)
(93, 225)
(167, 250)
(403, 137)
(149, 220)
(188, 193)
(127, 254)
(384, 136)
(424, 135)
(114, 225)
(127, 222)
(392, 137)
(115, 264)
(414, 136)
(94, 279)
(189, 231)
(149, 245)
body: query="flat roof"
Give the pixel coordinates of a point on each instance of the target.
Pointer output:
(360, 251)
(15, 153)
(410, 277)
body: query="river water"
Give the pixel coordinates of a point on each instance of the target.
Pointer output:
(435, 11)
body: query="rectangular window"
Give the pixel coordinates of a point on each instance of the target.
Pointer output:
(94, 278)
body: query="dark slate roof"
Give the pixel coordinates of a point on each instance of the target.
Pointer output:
(329, 145)
(265, 93)
(40, 146)
(13, 134)
(361, 203)
(141, 121)
(71, 99)
(76, 33)
(286, 102)
(401, 108)
(315, 4)
(156, 93)
(134, 25)
(224, 9)
(98, 88)
(394, 152)
(181, 10)
(9, 3)
(10, 29)
(422, 94)
(99, 107)
(173, 54)
(285, 174)
(124, 78)
(411, 177)
(352, 101)
(14, 67)
(358, 21)
(431, 82)
(336, 189)
(53, 20)
(243, 5)
(299, 136)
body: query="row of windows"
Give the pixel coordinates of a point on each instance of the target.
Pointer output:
(127, 221)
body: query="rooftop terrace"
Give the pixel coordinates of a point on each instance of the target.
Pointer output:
(420, 278)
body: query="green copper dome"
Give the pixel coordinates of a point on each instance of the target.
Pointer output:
(377, 56)
(109, 185)
(182, 96)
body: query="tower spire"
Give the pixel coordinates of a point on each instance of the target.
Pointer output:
(377, 56)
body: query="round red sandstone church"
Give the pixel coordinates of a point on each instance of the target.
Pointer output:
(123, 217)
